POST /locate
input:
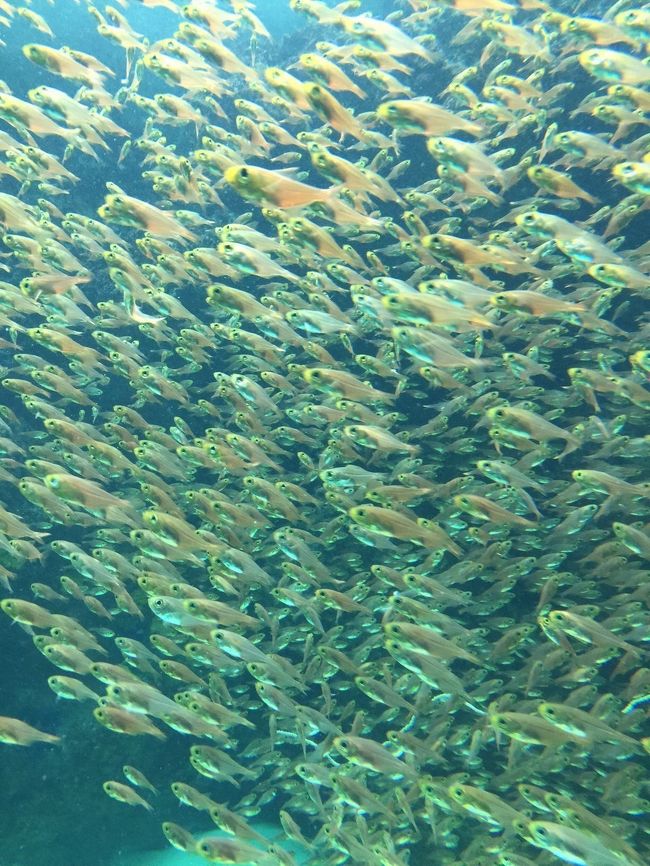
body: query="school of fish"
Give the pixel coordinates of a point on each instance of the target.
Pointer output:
(370, 525)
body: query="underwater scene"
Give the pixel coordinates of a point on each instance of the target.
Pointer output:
(324, 432)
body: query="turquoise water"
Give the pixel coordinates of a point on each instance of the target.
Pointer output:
(486, 582)
(171, 857)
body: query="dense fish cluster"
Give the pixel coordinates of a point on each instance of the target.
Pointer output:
(369, 525)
